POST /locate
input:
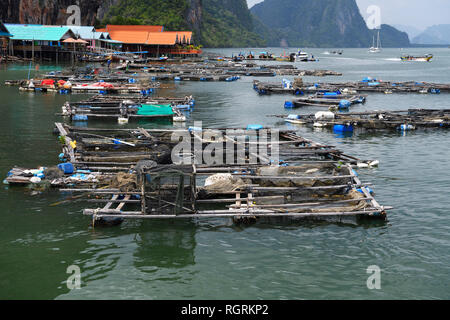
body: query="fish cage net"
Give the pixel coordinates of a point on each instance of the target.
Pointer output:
(168, 192)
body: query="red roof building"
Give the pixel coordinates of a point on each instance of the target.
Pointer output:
(154, 39)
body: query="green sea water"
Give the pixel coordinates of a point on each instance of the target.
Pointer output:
(214, 259)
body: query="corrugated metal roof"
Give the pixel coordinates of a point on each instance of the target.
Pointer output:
(84, 32)
(3, 31)
(38, 32)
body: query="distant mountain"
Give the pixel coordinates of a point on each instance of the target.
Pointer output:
(223, 23)
(410, 30)
(392, 38)
(438, 34)
(318, 23)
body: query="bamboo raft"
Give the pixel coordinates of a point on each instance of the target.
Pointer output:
(330, 102)
(402, 120)
(357, 87)
(125, 107)
(78, 87)
(124, 110)
(313, 181)
(131, 174)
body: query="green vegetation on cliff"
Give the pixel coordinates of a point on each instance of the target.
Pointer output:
(228, 23)
(222, 23)
(170, 14)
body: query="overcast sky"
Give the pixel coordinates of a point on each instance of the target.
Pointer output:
(418, 13)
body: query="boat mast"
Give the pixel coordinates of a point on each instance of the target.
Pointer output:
(378, 40)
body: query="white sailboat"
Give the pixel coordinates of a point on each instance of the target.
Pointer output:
(376, 49)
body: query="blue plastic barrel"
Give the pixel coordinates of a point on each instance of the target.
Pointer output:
(288, 105)
(344, 104)
(338, 128)
(67, 168)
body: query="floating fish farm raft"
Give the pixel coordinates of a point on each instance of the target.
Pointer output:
(330, 100)
(124, 108)
(299, 87)
(132, 174)
(402, 120)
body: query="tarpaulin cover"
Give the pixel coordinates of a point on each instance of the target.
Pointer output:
(48, 82)
(155, 109)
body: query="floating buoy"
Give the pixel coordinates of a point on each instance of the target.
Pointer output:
(362, 165)
(122, 120)
(288, 105)
(179, 119)
(324, 115)
(374, 163)
(35, 180)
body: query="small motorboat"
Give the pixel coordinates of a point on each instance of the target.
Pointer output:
(425, 58)
(301, 56)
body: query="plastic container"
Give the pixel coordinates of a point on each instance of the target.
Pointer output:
(324, 115)
(67, 168)
(254, 127)
(406, 127)
(288, 105)
(344, 104)
(194, 129)
(80, 117)
(339, 128)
